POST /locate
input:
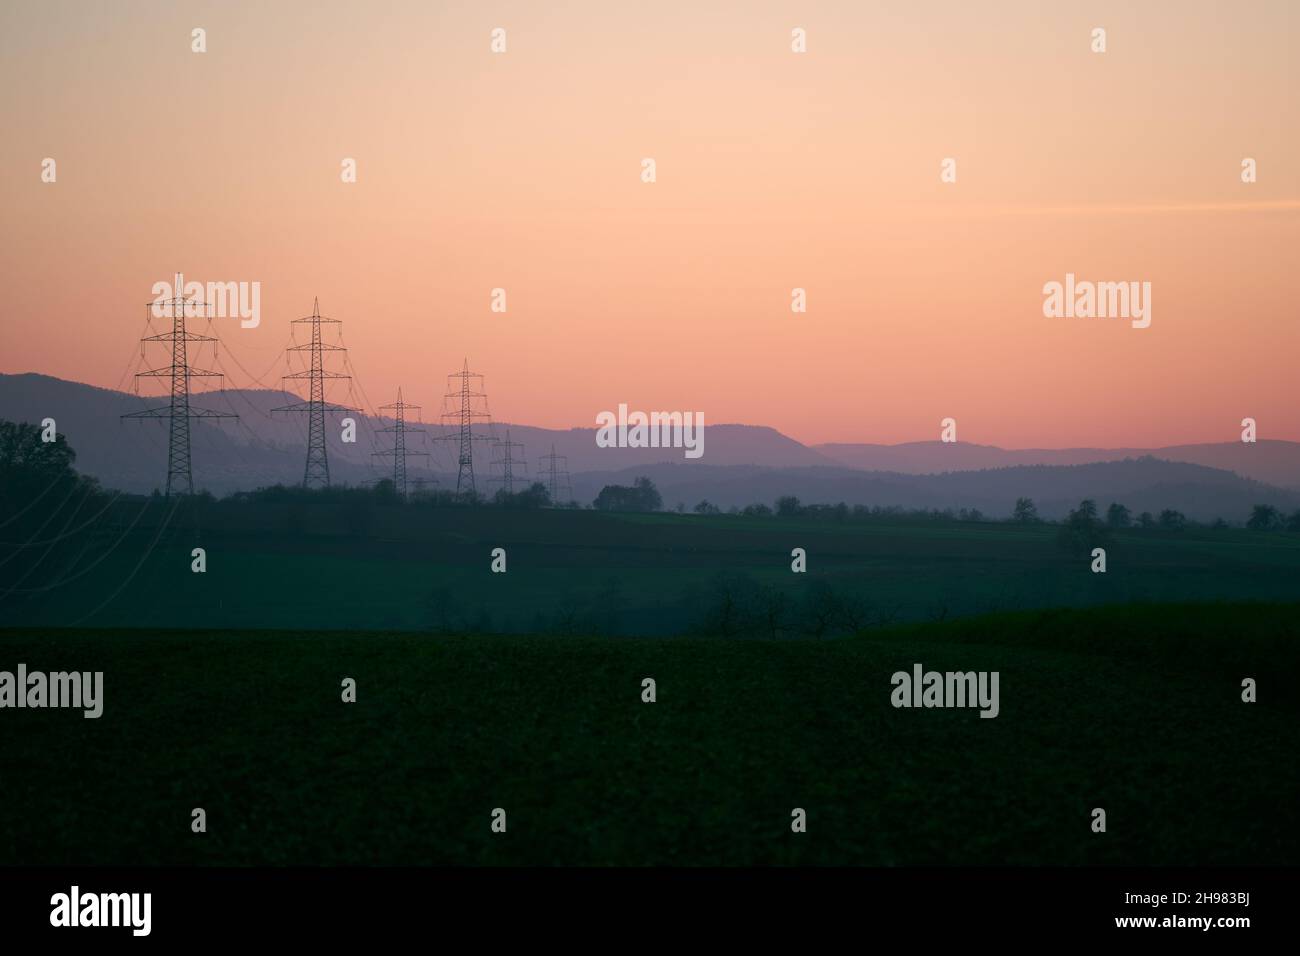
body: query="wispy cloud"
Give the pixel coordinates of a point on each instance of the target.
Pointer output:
(1122, 209)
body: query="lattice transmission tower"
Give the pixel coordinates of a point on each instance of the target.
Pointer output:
(460, 401)
(557, 477)
(399, 430)
(317, 472)
(180, 477)
(507, 463)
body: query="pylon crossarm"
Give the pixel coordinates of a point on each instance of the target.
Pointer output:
(173, 336)
(318, 373)
(169, 370)
(458, 437)
(312, 406)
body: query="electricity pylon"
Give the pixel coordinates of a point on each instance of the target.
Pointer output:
(317, 472)
(398, 430)
(180, 477)
(461, 398)
(557, 477)
(507, 463)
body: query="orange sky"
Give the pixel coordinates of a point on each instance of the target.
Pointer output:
(775, 170)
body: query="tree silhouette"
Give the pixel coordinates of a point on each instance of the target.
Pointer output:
(1172, 520)
(641, 496)
(1263, 518)
(1025, 512)
(1082, 530)
(787, 506)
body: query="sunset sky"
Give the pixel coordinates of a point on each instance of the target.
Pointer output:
(775, 170)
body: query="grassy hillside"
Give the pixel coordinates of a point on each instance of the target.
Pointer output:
(1136, 710)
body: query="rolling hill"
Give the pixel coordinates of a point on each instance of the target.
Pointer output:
(742, 464)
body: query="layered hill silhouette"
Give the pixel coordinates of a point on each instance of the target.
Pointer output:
(1273, 462)
(742, 464)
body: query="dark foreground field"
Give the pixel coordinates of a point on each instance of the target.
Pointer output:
(1136, 710)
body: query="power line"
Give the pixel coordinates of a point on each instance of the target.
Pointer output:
(68, 534)
(180, 478)
(398, 430)
(368, 407)
(557, 476)
(462, 399)
(162, 528)
(29, 506)
(508, 462)
(68, 576)
(317, 472)
(31, 542)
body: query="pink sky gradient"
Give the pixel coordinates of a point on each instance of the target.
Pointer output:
(775, 170)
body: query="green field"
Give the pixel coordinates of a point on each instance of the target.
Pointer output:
(314, 566)
(1134, 709)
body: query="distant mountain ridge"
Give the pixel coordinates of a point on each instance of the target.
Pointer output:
(742, 464)
(1271, 461)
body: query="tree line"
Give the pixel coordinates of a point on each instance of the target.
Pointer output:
(31, 467)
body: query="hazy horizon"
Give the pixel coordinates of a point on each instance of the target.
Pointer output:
(865, 441)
